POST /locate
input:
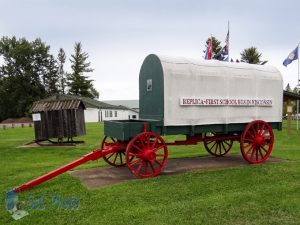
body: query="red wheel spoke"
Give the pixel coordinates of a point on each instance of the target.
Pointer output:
(248, 145)
(263, 134)
(249, 150)
(254, 131)
(262, 129)
(140, 167)
(158, 162)
(142, 142)
(261, 154)
(154, 143)
(121, 158)
(115, 157)
(160, 147)
(253, 152)
(249, 140)
(152, 166)
(135, 155)
(110, 155)
(225, 141)
(223, 146)
(256, 152)
(264, 149)
(252, 136)
(210, 141)
(136, 147)
(135, 162)
(148, 141)
(146, 168)
(213, 145)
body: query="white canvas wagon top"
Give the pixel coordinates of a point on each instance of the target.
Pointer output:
(183, 91)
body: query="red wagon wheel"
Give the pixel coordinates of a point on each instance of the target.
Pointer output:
(149, 152)
(257, 141)
(217, 147)
(117, 158)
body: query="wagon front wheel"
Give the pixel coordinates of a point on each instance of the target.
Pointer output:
(116, 158)
(257, 141)
(146, 155)
(216, 147)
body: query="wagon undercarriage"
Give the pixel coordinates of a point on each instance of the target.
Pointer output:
(146, 154)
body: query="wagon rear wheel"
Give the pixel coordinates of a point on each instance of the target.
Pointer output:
(149, 152)
(257, 141)
(216, 147)
(117, 158)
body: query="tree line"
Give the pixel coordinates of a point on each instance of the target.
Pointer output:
(28, 72)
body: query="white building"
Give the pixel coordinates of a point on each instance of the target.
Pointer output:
(97, 111)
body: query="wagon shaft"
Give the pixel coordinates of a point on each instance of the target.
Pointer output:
(94, 155)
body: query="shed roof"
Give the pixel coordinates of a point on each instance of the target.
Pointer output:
(88, 102)
(55, 105)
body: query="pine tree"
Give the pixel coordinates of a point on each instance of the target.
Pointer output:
(252, 55)
(288, 88)
(61, 58)
(216, 45)
(78, 83)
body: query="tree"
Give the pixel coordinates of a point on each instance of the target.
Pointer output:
(216, 45)
(78, 83)
(295, 90)
(288, 88)
(26, 75)
(252, 55)
(61, 58)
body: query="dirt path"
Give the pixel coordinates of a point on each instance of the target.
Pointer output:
(100, 177)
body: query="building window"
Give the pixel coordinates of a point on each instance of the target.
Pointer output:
(116, 113)
(133, 116)
(110, 114)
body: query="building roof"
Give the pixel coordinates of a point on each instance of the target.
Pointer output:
(88, 102)
(291, 95)
(54, 105)
(133, 104)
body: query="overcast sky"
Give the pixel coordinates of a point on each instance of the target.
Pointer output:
(119, 34)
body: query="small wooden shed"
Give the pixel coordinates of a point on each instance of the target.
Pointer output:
(58, 119)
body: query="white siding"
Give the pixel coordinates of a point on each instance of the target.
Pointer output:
(91, 115)
(112, 114)
(97, 115)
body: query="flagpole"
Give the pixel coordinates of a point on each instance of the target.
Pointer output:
(228, 43)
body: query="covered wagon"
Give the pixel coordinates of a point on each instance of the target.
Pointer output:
(212, 102)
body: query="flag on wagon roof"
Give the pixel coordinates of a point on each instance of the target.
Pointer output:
(208, 50)
(291, 57)
(223, 54)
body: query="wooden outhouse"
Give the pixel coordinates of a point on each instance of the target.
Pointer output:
(58, 119)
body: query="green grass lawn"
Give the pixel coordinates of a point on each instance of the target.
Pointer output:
(256, 194)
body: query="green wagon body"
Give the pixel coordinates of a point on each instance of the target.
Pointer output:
(124, 130)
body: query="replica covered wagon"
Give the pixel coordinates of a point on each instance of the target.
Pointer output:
(212, 102)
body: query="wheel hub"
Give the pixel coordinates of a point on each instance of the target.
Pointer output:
(258, 140)
(149, 155)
